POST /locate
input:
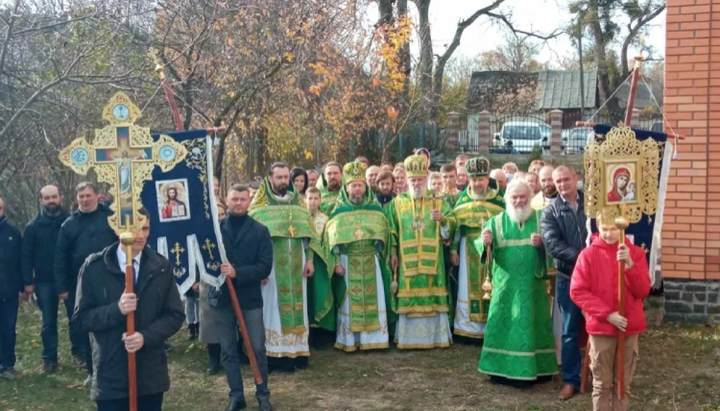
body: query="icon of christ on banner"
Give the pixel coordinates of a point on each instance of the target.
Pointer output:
(173, 200)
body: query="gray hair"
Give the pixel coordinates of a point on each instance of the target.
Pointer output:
(514, 185)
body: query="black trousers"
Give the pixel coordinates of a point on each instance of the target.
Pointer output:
(152, 402)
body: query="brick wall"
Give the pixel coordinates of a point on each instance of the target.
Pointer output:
(691, 234)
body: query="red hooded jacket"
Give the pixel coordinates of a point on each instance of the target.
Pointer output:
(594, 287)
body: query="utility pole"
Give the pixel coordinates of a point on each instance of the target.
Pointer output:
(582, 74)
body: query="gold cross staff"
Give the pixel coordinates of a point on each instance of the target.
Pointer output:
(209, 247)
(177, 251)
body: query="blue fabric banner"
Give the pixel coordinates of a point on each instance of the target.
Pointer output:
(183, 213)
(646, 233)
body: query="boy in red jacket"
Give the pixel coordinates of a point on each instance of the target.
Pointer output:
(594, 288)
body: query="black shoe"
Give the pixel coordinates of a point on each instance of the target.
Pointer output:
(192, 331)
(79, 360)
(48, 367)
(265, 405)
(237, 404)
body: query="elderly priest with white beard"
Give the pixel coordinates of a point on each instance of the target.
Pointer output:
(519, 348)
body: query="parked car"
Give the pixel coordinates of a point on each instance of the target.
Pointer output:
(576, 140)
(524, 136)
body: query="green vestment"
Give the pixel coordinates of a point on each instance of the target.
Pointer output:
(469, 216)
(356, 231)
(519, 341)
(416, 238)
(292, 229)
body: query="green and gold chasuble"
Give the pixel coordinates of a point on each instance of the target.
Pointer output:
(327, 197)
(469, 216)
(422, 286)
(519, 341)
(355, 231)
(290, 224)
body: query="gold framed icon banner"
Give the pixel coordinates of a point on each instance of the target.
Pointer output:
(622, 171)
(124, 155)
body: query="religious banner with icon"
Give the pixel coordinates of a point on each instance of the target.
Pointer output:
(629, 168)
(183, 213)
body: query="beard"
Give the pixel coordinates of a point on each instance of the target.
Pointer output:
(52, 208)
(333, 185)
(281, 189)
(520, 215)
(477, 196)
(356, 200)
(417, 192)
(549, 191)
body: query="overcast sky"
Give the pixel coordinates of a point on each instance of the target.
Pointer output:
(542, 16)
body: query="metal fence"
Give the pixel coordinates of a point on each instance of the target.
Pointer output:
(574, 139)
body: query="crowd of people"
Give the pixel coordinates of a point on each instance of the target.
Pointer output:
(361, 255)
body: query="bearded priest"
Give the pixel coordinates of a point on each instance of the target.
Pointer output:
(285, 304)
(476, 205)
(356, 239)
(419, 224)
(519, 348)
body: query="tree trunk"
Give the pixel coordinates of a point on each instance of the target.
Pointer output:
(385, 8)
(402, 12)
(426, 59)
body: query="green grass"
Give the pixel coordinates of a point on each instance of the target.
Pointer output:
(679, 369)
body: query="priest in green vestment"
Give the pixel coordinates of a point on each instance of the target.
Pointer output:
(476, 205)
(356, 238)
(419, 224)
(519, 348)
(329, 185)
(285, 310)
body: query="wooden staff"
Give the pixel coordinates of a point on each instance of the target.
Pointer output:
(127, 239)
(621, 223)
(243, 331)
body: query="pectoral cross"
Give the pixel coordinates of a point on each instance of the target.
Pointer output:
(209, 247)
(177, 251)
(292, 230)
(359, 233)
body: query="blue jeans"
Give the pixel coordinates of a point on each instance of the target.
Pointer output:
(571, 319)
(228, 330)
(48, 300)
(8, 321)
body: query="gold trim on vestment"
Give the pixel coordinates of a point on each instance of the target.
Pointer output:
(422, 346)
(520, 353)
(425, 309)
(422, 292)
(468, 334)
(288, 354)
(502, 242)
(361, 347)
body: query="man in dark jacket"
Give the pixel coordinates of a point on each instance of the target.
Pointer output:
(250, 257)
(85, 232)
(101, 307)
(38, 254)
(10, 290)
(564, 234)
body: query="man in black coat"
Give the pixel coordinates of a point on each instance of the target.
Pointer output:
(10, 290)
(249, 252)
(564, 234)
(38, 252)
(85, 232)
(100, 309)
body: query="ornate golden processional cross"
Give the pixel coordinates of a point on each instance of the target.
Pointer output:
(124, 155)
